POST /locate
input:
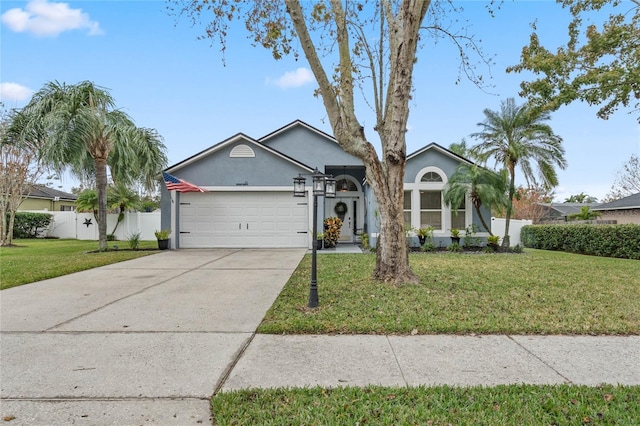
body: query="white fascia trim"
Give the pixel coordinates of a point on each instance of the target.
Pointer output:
(243, 188)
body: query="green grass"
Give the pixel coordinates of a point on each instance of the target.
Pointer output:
(35, 260)
(442, 405)
(538, 292)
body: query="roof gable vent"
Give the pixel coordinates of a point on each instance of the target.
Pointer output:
(242, 151)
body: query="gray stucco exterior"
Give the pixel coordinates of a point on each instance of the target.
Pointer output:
(241, 163)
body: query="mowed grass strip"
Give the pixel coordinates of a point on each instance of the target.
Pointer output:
(35, 259)
(442, 405)
(537, 292)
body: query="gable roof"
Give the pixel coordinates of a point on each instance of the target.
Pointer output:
(441, 149)
(233, 139)
(630, 202)
(46, 193)
(293, 124)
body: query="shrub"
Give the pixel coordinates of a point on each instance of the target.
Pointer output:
(332, 227)
(621, 241)
(30, 225)
(134, 241)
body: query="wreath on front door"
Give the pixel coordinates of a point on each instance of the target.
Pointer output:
(340, 208)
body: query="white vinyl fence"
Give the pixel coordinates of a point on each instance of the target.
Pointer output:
(498, 225)
(83, 226)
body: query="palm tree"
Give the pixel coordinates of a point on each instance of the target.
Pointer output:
(122, 198)
(484, 186)
(85, 133)
(517, 137)
(87, 201)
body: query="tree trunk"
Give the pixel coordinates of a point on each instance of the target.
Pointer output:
(488, 228)
(385, 175)
(101, 187)
(506, 241)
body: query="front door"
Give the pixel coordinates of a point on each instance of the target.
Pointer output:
(342, 207)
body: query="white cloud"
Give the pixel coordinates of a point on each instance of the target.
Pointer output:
(42, 18)
(296, 78)
(14, 92)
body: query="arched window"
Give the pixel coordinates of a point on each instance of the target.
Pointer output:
(431, 177)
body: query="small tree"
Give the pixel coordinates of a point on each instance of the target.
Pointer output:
(527, 203)
(18, 170)
(484, 186)
(627, 180)
(585, 214)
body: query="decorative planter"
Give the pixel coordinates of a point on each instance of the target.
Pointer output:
(163, 244)
(455, 240)
(422, 240)
(319, 244)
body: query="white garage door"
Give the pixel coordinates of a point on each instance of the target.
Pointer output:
(242, 219)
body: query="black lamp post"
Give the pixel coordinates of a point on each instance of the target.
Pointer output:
(323, 185)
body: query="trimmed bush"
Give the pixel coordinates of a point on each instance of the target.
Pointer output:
(621, 241)
(29, 225)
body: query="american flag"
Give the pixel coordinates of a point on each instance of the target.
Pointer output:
(175, 184)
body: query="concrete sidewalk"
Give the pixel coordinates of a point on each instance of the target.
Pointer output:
(148, 341)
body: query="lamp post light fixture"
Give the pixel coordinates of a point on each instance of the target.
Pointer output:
(323, 185)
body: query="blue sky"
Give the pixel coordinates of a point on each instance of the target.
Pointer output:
(166, 79)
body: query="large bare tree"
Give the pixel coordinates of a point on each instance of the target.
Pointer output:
(346, 45)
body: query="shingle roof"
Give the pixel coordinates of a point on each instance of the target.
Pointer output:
(44, 192)
(630, 202)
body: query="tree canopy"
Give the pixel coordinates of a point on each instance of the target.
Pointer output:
(599, 65)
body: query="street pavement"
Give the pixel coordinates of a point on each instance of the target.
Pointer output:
(150, 340)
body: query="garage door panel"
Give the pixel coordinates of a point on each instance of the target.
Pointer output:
(242, 219)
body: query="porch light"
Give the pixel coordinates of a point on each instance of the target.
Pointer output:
(298, 186)
(318, 185)
(329, 187)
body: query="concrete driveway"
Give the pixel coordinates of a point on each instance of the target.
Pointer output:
(146, 341)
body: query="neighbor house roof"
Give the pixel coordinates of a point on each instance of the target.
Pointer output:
(630, 202)
(566, 209)
(45, 193)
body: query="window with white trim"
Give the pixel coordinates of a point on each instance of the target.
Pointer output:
(431, 209)
(458, 219)
(407, 208)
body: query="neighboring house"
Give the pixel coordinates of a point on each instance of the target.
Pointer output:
(624, 210)
(558, 212)
(41, 197)
(249, 200)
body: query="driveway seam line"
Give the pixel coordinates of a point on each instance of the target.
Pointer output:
(566, 379)
(232, 365)
(404, 379)
(133, 294)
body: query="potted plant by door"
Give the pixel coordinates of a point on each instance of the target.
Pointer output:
(319, 240)
(492, 241)
(423, 233)
(455, 236)
(163, 238)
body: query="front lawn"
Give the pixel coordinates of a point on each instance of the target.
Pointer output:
(35, 260)
(441, 405)
(538, 292)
